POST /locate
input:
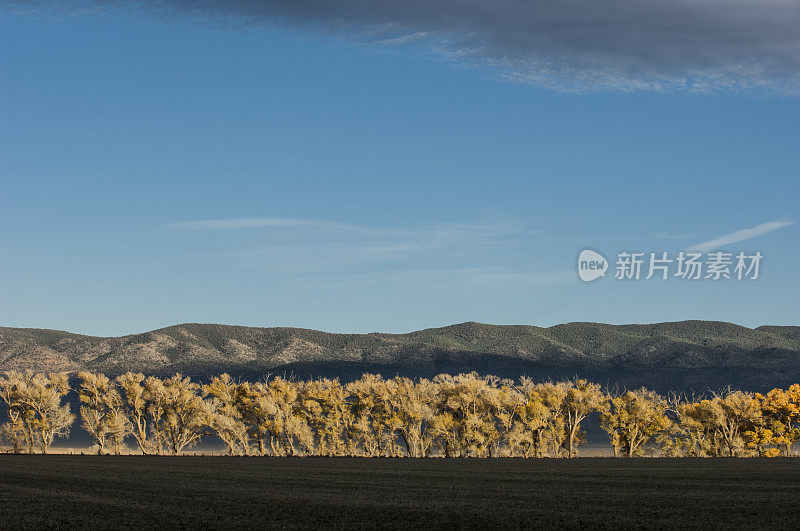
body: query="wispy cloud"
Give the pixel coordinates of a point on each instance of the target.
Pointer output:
(668, 236)
(321, 244)
(249, 223)
(445, 229)
(474, 276)
(573, 45)
(342, 253)
(740, 235)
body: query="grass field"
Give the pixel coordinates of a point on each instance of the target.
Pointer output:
(111, 492)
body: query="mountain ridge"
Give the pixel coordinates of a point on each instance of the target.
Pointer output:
(681, 354)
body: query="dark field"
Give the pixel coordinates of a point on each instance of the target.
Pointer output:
(111, 492)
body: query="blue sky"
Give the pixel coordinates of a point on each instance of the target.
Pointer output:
(165, 169)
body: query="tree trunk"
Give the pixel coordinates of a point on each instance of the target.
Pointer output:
(272, 445)
(570, 441)
(409, 451)
(291, 445)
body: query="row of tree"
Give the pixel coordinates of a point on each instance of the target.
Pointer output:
(466, 415)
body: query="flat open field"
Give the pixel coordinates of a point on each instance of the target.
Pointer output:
(111, 492)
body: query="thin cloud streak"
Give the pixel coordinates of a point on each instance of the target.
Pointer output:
(668, 236)
(440, 230)
(740, 236)
(341, 253)
(316, 247)
(249, 223)
(474, 276)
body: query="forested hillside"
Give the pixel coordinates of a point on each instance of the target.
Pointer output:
(680, 355)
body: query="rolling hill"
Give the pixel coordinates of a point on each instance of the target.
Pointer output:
(680, 355)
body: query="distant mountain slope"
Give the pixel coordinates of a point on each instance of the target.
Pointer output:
(680, 355)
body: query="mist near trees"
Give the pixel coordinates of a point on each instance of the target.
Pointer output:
(464, 415)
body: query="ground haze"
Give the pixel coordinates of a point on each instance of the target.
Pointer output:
(107, 492)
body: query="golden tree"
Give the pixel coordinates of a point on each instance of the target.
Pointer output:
(634, 420)
(740, 410)
(294, 433)
(224, 413)
(370, 409)
(535, 426)
(510, 405)
(141, 409)
(465, 423)
(700, 427)
(19, 428)
(259, 412)
(781, 411)
(549, 424)
(36, 410)
(185, 413)
(102, 411)
(716, 426)
(327, 413)
(762, 440)
(414, 412)
(582, 398)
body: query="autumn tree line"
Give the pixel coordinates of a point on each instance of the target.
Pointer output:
(466, 415)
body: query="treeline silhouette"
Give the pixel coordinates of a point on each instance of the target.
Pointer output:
(466, 415)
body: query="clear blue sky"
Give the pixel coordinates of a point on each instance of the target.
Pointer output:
(383, 187)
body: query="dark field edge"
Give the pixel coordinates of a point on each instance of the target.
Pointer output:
(113, 492)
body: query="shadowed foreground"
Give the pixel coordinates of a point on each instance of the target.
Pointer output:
(69, 491)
